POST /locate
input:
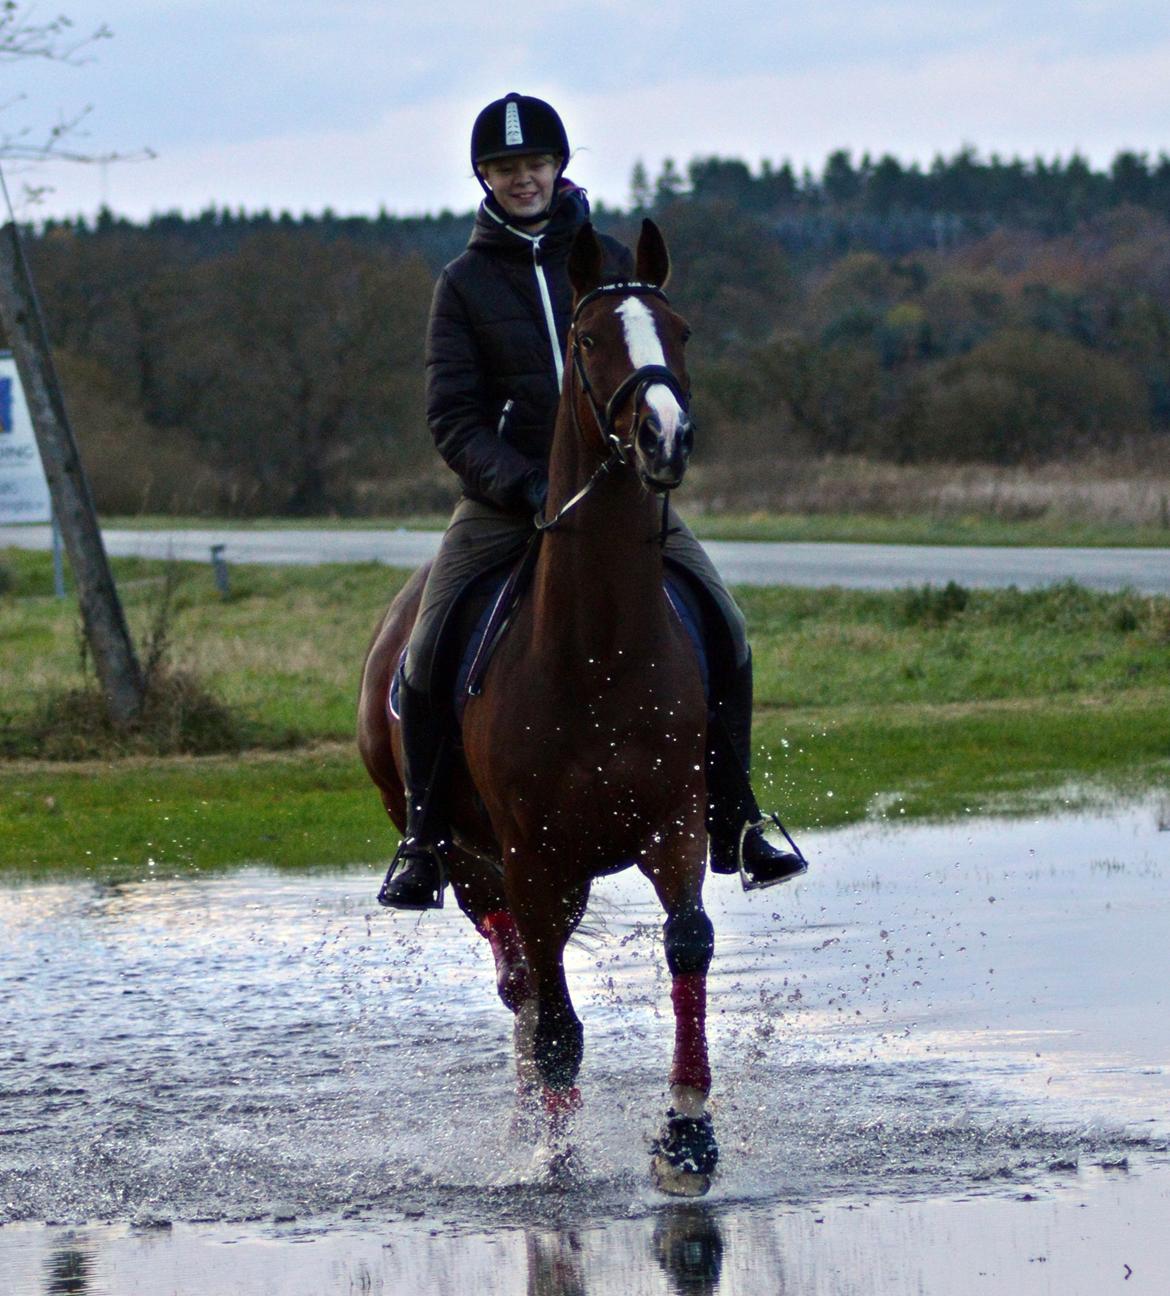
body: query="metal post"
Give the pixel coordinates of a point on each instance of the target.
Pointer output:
(219, 567)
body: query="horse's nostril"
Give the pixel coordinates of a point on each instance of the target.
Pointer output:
(686, 436)
(649, 434)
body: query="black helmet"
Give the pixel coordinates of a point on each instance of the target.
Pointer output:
(518, 124)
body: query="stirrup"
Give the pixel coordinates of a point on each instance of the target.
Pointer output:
(410, 852)
(759, 884)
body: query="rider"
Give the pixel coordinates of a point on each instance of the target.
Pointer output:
(495, 348)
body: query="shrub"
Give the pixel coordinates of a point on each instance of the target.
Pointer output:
(1023, 396)
(931, 605)
(180, 717)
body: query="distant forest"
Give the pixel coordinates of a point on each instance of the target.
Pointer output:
(978, 310)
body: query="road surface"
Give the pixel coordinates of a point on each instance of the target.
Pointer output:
(854, 566)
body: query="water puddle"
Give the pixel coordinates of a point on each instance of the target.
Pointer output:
(942, 1034)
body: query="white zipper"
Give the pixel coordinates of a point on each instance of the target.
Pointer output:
(549, 317)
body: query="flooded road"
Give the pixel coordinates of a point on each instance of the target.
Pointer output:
(942, 1062)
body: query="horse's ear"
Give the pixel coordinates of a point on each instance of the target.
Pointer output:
(585, 261)
(653, 263)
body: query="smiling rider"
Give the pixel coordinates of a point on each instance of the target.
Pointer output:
(495, 352)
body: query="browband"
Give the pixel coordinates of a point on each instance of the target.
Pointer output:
(628, 288)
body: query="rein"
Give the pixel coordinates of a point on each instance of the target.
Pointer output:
(633, 385)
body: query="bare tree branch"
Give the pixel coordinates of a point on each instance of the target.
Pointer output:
(22, 36)
(25, 36)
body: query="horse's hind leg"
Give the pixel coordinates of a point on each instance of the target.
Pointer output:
(686, 1153)
(479, 892)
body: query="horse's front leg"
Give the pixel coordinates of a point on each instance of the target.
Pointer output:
(685, 1152)
(546, 913)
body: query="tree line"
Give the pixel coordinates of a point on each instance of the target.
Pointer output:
(973, 310)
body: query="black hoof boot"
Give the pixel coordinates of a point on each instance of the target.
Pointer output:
(684, 1155)
(415, 879)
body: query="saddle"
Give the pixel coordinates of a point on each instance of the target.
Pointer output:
(482, 612)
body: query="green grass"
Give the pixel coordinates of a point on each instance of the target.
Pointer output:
(829, 768)
(918, 702)
(136, 818)
(852, 528)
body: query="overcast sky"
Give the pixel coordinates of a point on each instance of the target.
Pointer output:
(362, 104)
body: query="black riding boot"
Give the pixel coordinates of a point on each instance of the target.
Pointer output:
(416, 876)
(734, 822)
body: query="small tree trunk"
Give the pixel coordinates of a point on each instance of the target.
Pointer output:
(101, 611)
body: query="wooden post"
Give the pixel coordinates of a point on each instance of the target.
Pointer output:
(101, 611)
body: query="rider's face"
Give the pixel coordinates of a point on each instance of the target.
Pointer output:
(523, 183)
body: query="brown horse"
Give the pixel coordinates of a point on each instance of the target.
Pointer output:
(583, 752)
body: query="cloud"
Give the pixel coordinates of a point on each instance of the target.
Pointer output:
(357, 104)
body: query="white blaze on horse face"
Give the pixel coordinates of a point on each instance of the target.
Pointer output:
(645, 348)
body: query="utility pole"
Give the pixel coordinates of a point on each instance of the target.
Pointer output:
(104, 621)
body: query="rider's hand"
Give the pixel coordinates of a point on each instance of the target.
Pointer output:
(536, 490)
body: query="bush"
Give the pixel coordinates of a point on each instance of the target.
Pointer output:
(931, 606)
(1023, 396)
(180, 717)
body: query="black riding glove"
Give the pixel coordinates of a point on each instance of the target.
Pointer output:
(536, 490)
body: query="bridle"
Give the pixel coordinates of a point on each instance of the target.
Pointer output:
(632, 388)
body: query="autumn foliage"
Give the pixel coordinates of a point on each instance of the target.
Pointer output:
(973, 312)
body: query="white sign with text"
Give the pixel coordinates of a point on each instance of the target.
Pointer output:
(24, 492)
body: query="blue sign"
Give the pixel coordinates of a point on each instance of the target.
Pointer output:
(24, 493)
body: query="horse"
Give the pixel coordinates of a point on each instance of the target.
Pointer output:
(583, 746)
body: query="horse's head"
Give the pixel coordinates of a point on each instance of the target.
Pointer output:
(628, 369)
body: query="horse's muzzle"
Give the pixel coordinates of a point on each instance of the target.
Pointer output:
(663, 454)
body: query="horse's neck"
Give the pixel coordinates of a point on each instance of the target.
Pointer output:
(599, 576)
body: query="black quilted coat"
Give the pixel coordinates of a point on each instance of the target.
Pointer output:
(492, 373)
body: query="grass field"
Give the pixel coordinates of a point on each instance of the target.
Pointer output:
(917, 702)
(844, 528)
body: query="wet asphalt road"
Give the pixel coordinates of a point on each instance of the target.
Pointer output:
(853, 566)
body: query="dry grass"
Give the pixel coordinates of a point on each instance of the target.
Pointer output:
(179, 715)
(1129, 488)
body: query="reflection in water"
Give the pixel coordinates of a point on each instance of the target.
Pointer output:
(67, 1270)
(688, 1244)
(554, 1263)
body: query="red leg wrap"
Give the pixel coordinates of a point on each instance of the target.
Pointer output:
(513, 980)
(561, 1102)
(688, 994)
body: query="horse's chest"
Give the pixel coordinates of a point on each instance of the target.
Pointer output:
(612, 739)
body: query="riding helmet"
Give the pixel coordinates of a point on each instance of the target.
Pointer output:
(518, 124)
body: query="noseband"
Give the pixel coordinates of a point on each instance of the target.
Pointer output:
(632, 388)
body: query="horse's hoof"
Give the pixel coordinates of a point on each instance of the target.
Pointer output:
(674, 1182)
(684, 1155)
(556, 1165)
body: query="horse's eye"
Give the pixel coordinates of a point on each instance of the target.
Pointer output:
(586, 342)
(686, 335)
